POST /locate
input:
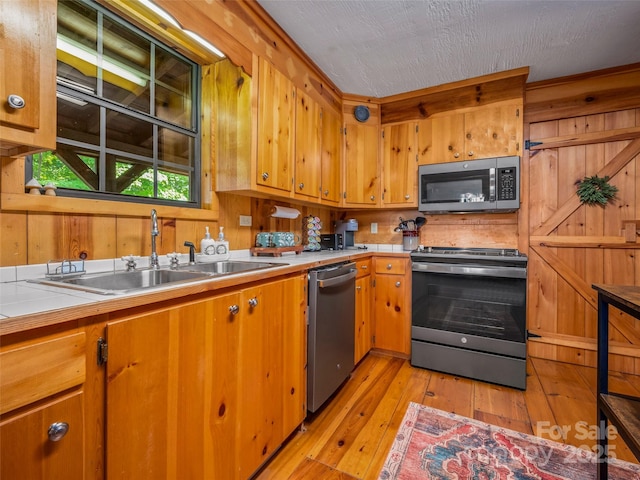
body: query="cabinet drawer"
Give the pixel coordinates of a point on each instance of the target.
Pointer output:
(364, 267)
(34, 372)
(391, 266)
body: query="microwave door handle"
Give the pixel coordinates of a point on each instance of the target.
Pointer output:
(492, 184)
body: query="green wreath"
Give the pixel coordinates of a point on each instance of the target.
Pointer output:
(596, 190)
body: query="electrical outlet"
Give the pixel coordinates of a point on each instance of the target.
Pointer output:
(245, 220)
(374, 228)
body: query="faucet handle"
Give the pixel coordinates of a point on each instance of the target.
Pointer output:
(131, 262)
(173, 259)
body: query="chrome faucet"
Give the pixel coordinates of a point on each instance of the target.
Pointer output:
(153, 260)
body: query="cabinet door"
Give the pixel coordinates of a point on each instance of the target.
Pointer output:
(28, 69)
(425, 142)
(331, 157)
(363, 333)
(157, 373)
(271, 359)
(28, 450)
(448, 138)
(275, 129)
(392, 306)
(493, 131)
(361, 166)
(399, 165)
(307, 164)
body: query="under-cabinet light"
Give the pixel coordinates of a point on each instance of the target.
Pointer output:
(204, 43)
(169, 18)
(160, 12)
(68, 46)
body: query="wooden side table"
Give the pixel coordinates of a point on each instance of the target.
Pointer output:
(622, 411)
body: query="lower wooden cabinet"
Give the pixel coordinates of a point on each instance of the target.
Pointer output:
(207, 389)
(392, 305)
(45, 442)
(364, 324)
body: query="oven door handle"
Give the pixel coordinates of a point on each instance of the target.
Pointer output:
(477, 270)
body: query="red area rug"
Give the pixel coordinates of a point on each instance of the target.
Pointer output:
(437, 445)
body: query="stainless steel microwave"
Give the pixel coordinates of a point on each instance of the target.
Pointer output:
(484, 185)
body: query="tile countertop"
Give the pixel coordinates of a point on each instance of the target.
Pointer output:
(25, 305)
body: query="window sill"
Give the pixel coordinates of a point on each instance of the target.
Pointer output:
(81, 206)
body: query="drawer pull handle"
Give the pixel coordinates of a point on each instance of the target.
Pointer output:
(16, 101)
(398, 284)
(234, 309)
(253, 302)
(389, 266)
(57, 430)
(364, 267)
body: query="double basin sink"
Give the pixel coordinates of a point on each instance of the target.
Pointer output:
(122, 282)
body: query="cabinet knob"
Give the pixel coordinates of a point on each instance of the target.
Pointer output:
(364, 267)
(16, 101)
(389, 266)
(234, 309)
(456, 155)
(398, 284)
(253, 302)
(407, 196)
(57, 430)
(326, 193)
(470, 154)
(265, 175)
(301, 185)
(373, 198)
(358, 288)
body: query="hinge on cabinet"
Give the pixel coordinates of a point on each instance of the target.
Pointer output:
(528, 144)
(417, 128)
(103, 351)
(344, 195)
(373, 282)
(382, 133)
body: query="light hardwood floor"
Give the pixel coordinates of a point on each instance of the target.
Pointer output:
(349, 438)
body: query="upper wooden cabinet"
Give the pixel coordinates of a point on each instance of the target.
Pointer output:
(491, 131)
(27, 77)
(361, 166)
(331, 157)
(308, 127)
(276, 128)
(400, 165)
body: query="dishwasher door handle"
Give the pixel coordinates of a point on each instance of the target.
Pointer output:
(342, 279)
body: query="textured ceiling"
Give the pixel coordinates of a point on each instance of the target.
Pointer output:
(379, 48)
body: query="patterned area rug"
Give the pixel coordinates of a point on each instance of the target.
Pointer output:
(432, 444)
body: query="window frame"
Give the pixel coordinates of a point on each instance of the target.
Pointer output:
(194, 170)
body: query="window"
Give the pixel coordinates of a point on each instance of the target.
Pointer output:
(127, 113)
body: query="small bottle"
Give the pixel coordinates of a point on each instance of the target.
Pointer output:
(207, 244)
(222, 246)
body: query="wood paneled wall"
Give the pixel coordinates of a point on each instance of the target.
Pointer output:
(585, 128)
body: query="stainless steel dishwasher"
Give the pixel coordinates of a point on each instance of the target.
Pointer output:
(331, 328)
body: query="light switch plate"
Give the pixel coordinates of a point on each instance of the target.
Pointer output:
(245, 220)
(374, 228)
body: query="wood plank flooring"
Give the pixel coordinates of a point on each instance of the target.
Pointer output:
(350, 437)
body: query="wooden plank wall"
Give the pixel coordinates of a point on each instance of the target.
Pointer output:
(585, 127)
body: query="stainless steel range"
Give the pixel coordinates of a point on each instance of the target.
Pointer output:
(469, 313)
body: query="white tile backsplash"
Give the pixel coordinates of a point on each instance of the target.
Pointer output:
(8, 274)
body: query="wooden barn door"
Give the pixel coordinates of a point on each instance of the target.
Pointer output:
(572, 246)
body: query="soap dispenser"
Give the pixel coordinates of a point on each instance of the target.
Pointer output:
(222, 245)
(207, 244)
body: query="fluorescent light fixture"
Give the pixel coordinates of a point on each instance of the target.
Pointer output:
(70, 99)
(66, 45)
(160, 12)
(204, 43)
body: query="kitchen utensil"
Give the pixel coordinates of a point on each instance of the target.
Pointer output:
(420, 221)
